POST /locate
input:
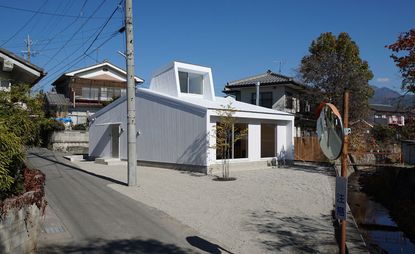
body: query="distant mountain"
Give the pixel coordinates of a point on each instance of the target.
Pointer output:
(384, 95)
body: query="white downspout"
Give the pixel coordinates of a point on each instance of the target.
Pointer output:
(257, 93)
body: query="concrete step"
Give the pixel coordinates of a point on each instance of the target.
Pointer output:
(74, 157)
(110, 161)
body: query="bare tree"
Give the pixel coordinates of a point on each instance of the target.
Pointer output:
(227, 134)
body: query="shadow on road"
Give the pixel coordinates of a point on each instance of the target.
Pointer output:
(205, 245)
(52, 158)
(116, 246)
(323, 170)
(294, 233)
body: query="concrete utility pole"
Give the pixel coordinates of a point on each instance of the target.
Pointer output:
(131, 123)
(344, 164)
(28, 50)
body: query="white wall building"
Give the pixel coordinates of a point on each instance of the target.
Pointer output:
(176, 120)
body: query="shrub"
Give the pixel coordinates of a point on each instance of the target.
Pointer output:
(383, 133)
(80, 127)
(11, 162)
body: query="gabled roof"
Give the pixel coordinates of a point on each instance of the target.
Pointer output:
(267, 78)
(97, 66)
(55, 99)
(34, 72)
(386, 108)
(197, 104)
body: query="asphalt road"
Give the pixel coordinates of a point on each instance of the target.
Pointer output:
(97, 219)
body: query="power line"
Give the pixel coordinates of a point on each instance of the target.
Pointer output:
(105, 24)
(27, 22)
(49, 13)
(77, 60)
(64, 29)
(79, 29)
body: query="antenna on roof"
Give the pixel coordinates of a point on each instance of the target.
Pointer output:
(279, 62)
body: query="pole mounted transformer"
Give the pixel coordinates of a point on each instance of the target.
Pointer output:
(131, 121)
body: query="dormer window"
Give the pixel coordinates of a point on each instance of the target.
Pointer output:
(191, 82)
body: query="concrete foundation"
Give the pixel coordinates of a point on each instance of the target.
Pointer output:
(74, 142)
(19, 230)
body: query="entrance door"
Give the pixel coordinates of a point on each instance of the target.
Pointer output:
(115, 141)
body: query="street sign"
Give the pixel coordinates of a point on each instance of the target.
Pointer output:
(341, 197)
(330, 131)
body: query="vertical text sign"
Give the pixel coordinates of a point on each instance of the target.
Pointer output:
(341, 197)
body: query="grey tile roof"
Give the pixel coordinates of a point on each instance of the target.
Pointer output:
(23, 61)
(385, 108)
(266, 78)
(56, 99)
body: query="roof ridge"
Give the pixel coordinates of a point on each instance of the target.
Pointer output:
(249, 78)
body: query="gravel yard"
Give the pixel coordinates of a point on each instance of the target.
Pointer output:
(272, 210)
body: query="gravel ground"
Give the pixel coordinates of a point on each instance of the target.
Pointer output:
(284, 210)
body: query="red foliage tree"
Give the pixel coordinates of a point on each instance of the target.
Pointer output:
(404, 58)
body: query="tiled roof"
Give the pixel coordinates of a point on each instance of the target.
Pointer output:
(56, 99)
(23, 61)
(268, 77)
(385, 108)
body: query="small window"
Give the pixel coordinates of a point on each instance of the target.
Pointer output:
(289, 100)
(191, 82)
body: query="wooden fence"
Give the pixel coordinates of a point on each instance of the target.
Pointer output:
(308, 149)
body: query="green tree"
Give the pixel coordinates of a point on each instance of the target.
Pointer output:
(404, 58)
(227, 134)
(21, 117)
(333, 65)
(383, 133)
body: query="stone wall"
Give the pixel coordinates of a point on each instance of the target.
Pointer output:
(75, 142)
(19, 230)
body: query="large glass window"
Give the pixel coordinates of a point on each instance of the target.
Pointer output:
(104, 94)
(90, 93)
(237, 148)
(268, 140)
(265, 99)
(191, 82)
(240, 147)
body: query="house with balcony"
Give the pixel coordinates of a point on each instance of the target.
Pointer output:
(387, 115)
(15, 69)
(276, 92)
(176, 121)
(89, 89)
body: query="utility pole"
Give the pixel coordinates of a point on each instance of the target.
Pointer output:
(131, 123)
(344, 164)
(28, 50)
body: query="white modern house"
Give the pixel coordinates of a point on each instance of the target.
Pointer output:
(176, 120)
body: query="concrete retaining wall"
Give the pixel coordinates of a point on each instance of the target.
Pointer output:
(75, 142)
(19, 230)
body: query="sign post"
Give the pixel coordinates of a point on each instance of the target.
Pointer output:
(344, 165)
(333, 133)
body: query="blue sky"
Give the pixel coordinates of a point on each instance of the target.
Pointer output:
(235, 38)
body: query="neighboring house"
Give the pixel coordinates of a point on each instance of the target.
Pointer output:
(276, 92)
(88, 89)
(387, 115)
(176, 119)
(15, 69)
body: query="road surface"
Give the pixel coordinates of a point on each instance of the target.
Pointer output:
(86, 216)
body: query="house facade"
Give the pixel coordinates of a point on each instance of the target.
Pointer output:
(176, 120)
(15, 69)
(387, 115)
(89, 89)
(276, 92)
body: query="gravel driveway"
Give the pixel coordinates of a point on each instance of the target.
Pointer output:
(272, 210)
